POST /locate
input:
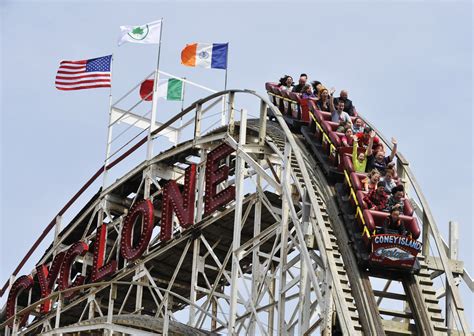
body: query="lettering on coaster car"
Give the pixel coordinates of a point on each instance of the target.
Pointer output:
(393, 253)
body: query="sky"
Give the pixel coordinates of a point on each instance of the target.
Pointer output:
(406, 64)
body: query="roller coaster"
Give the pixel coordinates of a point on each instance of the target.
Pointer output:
(254, 227)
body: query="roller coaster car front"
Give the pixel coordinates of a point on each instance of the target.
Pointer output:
(394, 251)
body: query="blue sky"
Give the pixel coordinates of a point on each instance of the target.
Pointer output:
(407, 67)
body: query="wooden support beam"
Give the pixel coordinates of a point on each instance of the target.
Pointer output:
(388, 295)
(395, 313)
(434, 263)
(398, 328)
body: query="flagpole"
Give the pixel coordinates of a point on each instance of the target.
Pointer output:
(224, 103)
(182, 96)
(225, 84)
(109, 129)
(226, 67)
(182, 109)
(155, 98)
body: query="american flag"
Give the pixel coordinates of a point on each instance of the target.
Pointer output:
(85, 74)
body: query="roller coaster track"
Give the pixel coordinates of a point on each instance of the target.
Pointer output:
(321, 225)
(354, 298)
(279, 253)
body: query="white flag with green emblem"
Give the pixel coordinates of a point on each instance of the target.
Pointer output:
(148, 33)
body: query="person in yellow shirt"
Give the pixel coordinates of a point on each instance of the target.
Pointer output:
(359, 161)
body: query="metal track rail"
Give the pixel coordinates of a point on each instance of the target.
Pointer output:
(422, 297)
(343, 292)
(355, 297)
(420, 293)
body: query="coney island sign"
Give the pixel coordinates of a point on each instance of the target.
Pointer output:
(394, 250)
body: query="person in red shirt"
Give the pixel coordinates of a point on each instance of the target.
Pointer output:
(364, 138)
(376, 199)
(347, 139)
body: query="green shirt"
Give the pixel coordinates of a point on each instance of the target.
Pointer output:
(359, 167)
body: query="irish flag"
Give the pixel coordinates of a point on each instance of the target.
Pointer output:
(205, 55)
(170, 89)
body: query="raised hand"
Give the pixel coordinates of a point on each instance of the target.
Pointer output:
(332, 90)
(394, 141)
(372, 134)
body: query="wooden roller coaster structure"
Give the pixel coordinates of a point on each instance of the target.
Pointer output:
(264, 252)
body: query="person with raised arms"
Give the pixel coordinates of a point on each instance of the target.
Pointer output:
(337, 113)
(364, 137)
(359, 161)
(379, 161)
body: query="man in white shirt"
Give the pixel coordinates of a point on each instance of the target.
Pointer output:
(337, 114)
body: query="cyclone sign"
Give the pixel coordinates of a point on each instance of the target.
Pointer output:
(394, 250)
(176, 201)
